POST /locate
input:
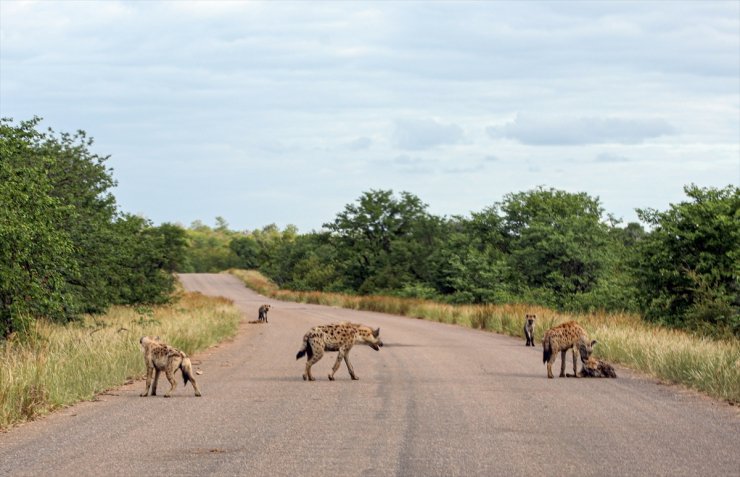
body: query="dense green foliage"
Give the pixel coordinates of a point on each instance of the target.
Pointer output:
(688, 268)
(65, 249)
(543, 246)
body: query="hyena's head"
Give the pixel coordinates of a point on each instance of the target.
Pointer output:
(585, 348)
(368, 336)
(267, 307)
(530, 319)
(146, 340)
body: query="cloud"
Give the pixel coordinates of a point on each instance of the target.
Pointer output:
(609, 157)
(360, 143)
(579, 131)
(413, 165)
(420, 134)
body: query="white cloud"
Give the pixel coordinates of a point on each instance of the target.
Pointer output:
(420, 134)
(579, 131)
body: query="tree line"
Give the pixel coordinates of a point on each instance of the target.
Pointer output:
(542, 246)
(65, 248)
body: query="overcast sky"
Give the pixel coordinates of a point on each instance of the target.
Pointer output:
(283, 112)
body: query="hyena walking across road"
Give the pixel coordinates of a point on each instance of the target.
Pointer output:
(160, 357)
(561, 338)
(336, 337)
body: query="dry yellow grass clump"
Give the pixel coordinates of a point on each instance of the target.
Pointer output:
(707, 365)
(57, 365)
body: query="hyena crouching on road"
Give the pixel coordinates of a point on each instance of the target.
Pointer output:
(595, 368)
(529, 329)
(262, 313)
(160, 357)
(562, 338)
(336, 337)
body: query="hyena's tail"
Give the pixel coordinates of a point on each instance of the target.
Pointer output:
(187, 370)
(305, 349)
(546, 349)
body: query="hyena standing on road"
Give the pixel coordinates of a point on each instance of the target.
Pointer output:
(161, 357)
(336, 337)
(262, 313)
(562, 338)
(529, 329)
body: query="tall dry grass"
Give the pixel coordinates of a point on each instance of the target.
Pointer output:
(58, 365)
(709, 366)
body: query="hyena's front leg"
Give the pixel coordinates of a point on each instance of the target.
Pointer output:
(338, 362)
(149, 372)
(155, 381)
(575, 363)
(318, 353)
(349, 367)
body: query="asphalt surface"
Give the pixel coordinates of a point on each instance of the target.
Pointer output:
(436, 400)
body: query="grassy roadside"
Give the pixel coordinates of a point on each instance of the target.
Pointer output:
(59, 365)
(709, 366)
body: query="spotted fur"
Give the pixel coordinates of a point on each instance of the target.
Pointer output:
(568, 336)
(338, 337)
(160, 357)
(595, 368)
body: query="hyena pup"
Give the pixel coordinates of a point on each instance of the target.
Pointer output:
(262, 313)
(595, 368)
(561, 338)
(160, 357)
(336, 337)
(529, 329)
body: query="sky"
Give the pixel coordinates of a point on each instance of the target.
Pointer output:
(285, 112)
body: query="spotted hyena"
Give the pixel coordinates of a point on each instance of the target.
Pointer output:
(595, 368)
(160, 357)
(262, 313)
(336, 337)
(562, 338)
(529, 329)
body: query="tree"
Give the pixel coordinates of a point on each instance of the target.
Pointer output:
(555, 242)
(35, 256)
(383, 241)
(688, 266)
(64, 247)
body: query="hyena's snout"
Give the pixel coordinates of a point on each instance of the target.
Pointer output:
(377, 346)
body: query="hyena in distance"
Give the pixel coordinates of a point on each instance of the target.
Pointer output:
(529, 329)
(160, 357)
(262, 313)
(561, 338)
(336, 337)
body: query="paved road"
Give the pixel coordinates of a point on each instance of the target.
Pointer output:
(437, 400)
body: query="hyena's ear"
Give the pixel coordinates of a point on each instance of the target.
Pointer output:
(376, 332)
(593, 343)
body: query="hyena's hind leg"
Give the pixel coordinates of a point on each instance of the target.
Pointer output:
(317, 354)
(169, 371)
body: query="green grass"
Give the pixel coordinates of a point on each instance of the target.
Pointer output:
(706, 365)
(56, 365)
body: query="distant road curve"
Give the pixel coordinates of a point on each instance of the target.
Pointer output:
(437, 400)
